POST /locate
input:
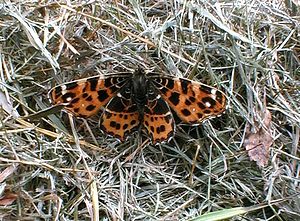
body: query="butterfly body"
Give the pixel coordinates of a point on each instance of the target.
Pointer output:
(140, 102)
(139, 85)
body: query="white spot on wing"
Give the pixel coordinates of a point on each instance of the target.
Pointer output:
(63, 89)
(207, 104)
(213, 93)
(68, 99)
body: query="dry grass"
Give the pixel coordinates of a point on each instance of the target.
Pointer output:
(51, 171)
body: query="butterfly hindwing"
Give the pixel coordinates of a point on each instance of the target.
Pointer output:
(158, 119)
(85, 97)
(193, 102)
(121, 117)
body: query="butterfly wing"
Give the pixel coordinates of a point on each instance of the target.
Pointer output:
(85, 97)
(120, 117)
(193, 102)
(158, 119)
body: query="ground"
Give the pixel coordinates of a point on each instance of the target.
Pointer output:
(241, 165)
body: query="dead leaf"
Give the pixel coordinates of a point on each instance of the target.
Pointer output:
(7, 172)
(8, 199)
(258, 143)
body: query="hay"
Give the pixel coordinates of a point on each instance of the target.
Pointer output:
(56, 167)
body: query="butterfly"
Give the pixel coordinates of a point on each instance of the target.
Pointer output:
(136, 101)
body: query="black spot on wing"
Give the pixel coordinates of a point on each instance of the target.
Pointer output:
(207, 111)
(152, 128)
(90, 107)
(174, 98)
(93, 83)
(201, 105)
(184, 85)
(102, 95)
(133, 122)
(118, 126)
(158, 129)
(187, 102)
(162, 128)
(114, 124)
(186, 112)
(192, 99)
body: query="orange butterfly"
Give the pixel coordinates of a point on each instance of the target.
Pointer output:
(138, 101)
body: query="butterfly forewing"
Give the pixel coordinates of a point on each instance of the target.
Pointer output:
(85, 97)
(193, 102)
(121, 117)
(158, 119)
